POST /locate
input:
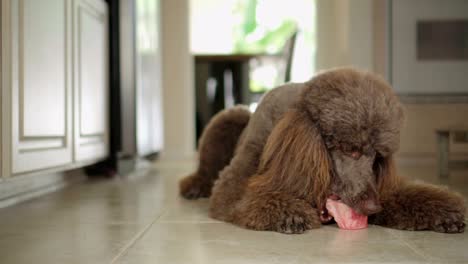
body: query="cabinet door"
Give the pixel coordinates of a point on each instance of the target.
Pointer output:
(90, 79)
(40, 92)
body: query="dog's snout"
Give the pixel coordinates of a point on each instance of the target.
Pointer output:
(369, 202)
(370, 206)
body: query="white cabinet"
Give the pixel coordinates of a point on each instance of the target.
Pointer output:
(90, 80)
(54, 83)
(40, 92)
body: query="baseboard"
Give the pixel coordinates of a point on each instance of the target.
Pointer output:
(17, 189)
(178, 156)
(129, 165)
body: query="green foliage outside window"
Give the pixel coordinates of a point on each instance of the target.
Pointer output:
(264, 26)
(252, 36)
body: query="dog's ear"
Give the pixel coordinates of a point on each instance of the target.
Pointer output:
(385, 171)
(295, 159)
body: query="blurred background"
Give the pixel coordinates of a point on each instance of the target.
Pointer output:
(110, 97)
(420, 47)
(111, 83)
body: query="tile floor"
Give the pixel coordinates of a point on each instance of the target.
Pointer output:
(140, 219)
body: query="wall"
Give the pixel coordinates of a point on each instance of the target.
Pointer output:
(349, 33)
(354, 34)
(178, 82)
(344, 34)
(220, 39)
(418, 135)
(424, 118)
(413, 75)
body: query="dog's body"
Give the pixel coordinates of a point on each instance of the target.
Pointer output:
(334, 135)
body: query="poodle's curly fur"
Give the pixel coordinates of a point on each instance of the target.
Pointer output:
(333, 135)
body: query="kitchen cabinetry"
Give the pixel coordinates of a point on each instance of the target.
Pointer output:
(54, 84)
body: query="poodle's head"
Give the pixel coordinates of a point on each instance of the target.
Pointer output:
(358, 118)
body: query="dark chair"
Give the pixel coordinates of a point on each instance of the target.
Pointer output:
(275, 68)
(223, 80)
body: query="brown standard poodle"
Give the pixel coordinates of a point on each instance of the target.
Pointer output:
(333, 136)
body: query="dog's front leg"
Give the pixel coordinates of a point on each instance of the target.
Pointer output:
(275, 211)
(422, 207)
(294, 165)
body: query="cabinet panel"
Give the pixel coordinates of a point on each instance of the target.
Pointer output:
(40, 84)
(42, 67)
(91, 86)
(92, 73)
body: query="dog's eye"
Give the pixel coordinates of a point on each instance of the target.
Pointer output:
(355, 154)
(351, 151)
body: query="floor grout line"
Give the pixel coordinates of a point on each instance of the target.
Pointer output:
(407, 244)
(139, 235)
(415, 250)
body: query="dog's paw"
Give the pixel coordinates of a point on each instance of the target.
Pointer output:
(297, 218)
(276, 212)
(296, 224)
(449, 223)
(193, 187)
(423, 207)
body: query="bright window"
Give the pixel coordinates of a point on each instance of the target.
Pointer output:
(256, 26)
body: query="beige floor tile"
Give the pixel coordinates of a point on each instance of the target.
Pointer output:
(224, 243)
(142, 219)
(132, 200)
(437, 247)
(70, 244)
(187, 211)
(86, 223)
